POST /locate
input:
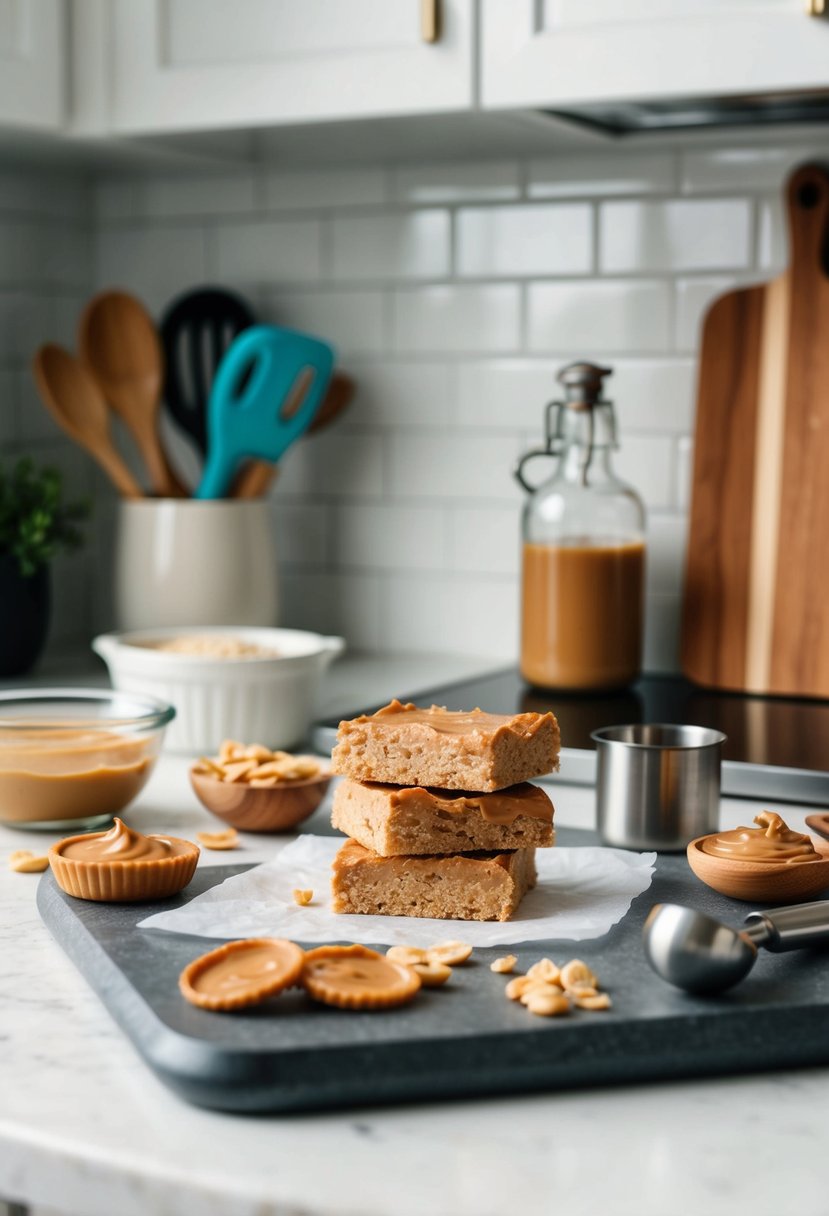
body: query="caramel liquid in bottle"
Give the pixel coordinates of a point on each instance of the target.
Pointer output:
(581, 622)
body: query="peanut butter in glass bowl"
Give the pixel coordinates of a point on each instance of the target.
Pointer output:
(75, 757)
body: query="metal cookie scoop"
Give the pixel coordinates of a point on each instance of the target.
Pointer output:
(701, 955)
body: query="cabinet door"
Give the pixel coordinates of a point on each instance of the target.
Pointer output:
(559, 52)
(32, 68)
(187, 64)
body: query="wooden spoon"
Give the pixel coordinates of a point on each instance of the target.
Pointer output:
(120, 345)
(256, 477)
(75, 402)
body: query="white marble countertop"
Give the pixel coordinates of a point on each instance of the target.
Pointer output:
(86, 1128)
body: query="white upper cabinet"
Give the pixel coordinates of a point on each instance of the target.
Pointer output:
(181, 65)
(32, 63)
(559, 53)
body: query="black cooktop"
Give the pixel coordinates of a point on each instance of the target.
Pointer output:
(777, 747)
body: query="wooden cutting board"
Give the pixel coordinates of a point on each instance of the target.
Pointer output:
(756, 608)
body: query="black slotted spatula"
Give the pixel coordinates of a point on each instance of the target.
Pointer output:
(196, 330)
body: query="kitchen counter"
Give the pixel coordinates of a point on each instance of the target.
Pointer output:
(86, 1128)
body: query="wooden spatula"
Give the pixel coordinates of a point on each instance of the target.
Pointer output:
(76, 403)
(120, 345)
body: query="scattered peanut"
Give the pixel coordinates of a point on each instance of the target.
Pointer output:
(503, 966)
(539, 986)
(549, 991)
(545, 969)
(549, 1004)
(450, 953)
(22, 861)
(303, 898)
(432, 973)
(219, 840)
(599, 1000)
(407, 955)
(516, 988)
(577, 974)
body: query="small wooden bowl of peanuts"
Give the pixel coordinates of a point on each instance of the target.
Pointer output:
(258, 790)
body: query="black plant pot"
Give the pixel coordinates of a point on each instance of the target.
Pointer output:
(25, 607)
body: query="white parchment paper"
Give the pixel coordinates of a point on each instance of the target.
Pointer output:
(581, 894)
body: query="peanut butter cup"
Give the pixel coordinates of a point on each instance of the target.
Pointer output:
(122, 865)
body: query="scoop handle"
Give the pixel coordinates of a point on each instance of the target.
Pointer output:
(790, 928)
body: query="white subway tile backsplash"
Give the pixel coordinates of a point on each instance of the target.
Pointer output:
(55, 197)
(413, 245)
(325, 190)
(693, 297)
(155, 263)
(34, 253)
(506, 394)
(115, 199)
(490, 181)
(485, 540)
(468, 615)
(666, 553)
(216, 194)
(736, 170)
(684, 472)
(261, 251)
(662, 622)
(8, 430)
(300, 532)
(525, 240)
(678, 235)
(652, 394)
(353, 321)
(402, 394)
(385, 537)
(772, 236)
(34, 422)
(333, 463)
(446, 466)
(598, 318)
(485, 318)
(646, 462)
(611, 173)
(333, 603)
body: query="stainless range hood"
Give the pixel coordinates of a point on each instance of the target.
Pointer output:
(695, 114)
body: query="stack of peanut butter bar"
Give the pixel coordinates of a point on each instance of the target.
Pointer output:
(441, 818)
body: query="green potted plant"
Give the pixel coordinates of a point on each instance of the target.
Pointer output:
(35, 523)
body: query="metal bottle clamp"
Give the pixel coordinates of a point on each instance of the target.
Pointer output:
(583, 390)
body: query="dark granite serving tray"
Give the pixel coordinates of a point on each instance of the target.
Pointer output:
(461, 1040)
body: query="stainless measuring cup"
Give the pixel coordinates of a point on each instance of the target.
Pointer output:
(657, 785)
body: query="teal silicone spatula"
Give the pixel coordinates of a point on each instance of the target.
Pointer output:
(249, 411)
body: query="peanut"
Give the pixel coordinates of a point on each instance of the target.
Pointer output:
(22, 861)
(303, 898)
(503, 966)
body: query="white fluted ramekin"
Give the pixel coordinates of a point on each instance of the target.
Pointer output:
(265, 699)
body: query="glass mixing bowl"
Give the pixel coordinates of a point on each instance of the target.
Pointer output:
(73, 758)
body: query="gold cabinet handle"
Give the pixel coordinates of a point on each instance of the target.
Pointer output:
(430, 20)
(816, 8)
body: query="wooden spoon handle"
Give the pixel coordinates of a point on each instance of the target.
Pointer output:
(162, 477)
(254, 480)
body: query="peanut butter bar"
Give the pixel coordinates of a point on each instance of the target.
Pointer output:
(405, 745)
(473, 886)
(396, 820)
